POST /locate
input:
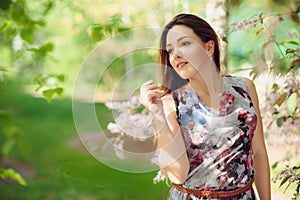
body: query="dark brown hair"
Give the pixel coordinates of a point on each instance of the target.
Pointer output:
(169, 78)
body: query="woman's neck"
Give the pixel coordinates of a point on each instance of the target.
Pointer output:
(207, 84)
(209, 88)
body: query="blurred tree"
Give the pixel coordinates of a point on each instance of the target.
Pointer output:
(217, 15)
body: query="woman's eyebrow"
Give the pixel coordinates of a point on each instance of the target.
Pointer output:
(179, 39)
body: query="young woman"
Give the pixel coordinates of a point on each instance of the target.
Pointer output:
(209, 130)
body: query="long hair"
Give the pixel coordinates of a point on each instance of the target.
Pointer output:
(169, 77)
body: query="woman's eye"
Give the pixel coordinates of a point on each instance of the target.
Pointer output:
(185, 43)
(169, 51)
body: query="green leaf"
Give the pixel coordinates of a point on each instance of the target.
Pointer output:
(274, 86)
(284, 180)
(61, 78)
(47, 47)
(291, 103)
(40, 22)
(126, 33)
(288, 51)
(18, 13)
(266, 134)
(18, 54)
(17, 177)
(39, 79)
(10, 173)
(139, 109)
(41, 52)
(96, 32)
(254, 72)
(280, 99)
(49, 93)
(33, 49)
(27, 34)
(280, 121)
(10, 34)
(6, 25)
(47, 7)
(275, 165)
(8, 145)
(259, 30)
(58, 90)
(289, 42)
(39, 55)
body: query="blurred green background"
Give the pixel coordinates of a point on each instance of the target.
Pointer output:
(42, 47)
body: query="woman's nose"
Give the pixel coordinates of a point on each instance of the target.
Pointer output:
(177, 53)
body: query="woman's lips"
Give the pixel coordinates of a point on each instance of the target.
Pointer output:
(181, 65)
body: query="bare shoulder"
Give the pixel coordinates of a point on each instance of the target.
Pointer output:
(250, 84)
(251, 88)
(252, 92)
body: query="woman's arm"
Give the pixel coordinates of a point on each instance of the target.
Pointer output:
(170, 140)
(261, 162)
(172, 157)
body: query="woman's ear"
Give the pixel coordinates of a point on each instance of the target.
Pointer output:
(210, 47)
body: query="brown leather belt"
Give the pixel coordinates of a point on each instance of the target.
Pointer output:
(212, 193)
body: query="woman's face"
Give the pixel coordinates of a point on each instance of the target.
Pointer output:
(188, 54)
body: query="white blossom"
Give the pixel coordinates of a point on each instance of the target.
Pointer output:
(118, 144)
(159, 177)
(114, 128)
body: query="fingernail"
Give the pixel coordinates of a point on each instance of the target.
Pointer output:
(149, 81)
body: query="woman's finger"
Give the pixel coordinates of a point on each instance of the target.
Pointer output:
(150, 97)
(148, 82)
(150, 87)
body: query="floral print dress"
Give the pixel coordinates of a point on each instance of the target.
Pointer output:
(218, 145)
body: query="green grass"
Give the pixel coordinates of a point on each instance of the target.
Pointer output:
(62, 172)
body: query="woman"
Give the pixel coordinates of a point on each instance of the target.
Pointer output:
(209, 129)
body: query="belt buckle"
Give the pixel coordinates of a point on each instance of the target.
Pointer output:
(206, 193)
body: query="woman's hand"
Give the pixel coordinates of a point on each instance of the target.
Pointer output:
(150, 95)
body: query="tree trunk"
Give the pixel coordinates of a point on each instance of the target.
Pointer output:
(217, 16)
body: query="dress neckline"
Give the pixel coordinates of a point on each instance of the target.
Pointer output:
(203, 105)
